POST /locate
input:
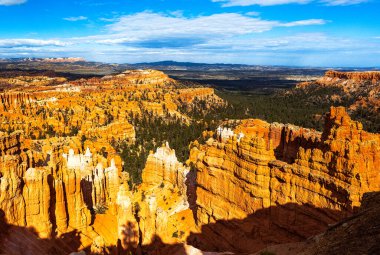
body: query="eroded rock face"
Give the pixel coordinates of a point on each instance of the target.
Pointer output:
(162, 168)
(61, 178)
(96, 108)
(36, 194)
(375, 76)
(164, 214)
(77, 193)
(358, 91)
(257, 185)
(281, 183)
(53, 197)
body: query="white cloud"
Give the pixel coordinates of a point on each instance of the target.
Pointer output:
(76, 18)
(12, 43)
(252, 13)
(298, 42)
(307, 22)
(228, 3)
(150, 26)
(226, 37)
(108, 19)
(12, 2)
(342, 2)
(298, 49)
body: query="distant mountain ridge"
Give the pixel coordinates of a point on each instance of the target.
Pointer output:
(172, 63)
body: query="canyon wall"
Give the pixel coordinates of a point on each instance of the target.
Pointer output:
(100, 108)
(274, 183)
(57, 198)
(375, 76)
(358, 91)
(61, 180)
(78, 193)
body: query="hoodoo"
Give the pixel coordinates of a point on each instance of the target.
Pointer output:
(68, 184)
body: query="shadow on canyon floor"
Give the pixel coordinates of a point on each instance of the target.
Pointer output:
(25, 241)
(274, 225)
(277, 224)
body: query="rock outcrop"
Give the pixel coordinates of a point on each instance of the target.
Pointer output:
(358, 91)
(163, 168)
(281, 183)
(77, 192)
(61, 176)
(359, 76)
(100, 108)
(163, 206)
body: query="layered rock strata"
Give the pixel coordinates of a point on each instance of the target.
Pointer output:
(164, 211)
(256, 185)
(97, 108)
(281, 183)
(375, 76)
(358, 91)
(77, 195)
(54, 198)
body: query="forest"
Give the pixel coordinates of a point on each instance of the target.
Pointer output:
(151, 133)
(294, 108)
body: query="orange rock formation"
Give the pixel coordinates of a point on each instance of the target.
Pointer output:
(274, 183)
(61, 179)
(375, 76)
(260, 184)
(360, 89)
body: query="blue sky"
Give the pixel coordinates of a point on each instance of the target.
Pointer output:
(272, 32)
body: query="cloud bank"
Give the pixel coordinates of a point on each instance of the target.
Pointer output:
(224, 37)
(12, 43)
(11, 2)
(147, 27)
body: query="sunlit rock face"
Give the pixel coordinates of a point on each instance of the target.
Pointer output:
(36, 194)
(359, 76)
(61, 178)
(76, 193)
(57, 199)
(96, 108)
(31, 81)
(162, 168)
(281, 183)
(164, 211)
(146, 77)
(248, 187)
(360, 91)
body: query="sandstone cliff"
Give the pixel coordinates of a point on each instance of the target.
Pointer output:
(374, 76)
(78, 194)
(280, 183)
(61, 176)
(163, 206)
(358, 91)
